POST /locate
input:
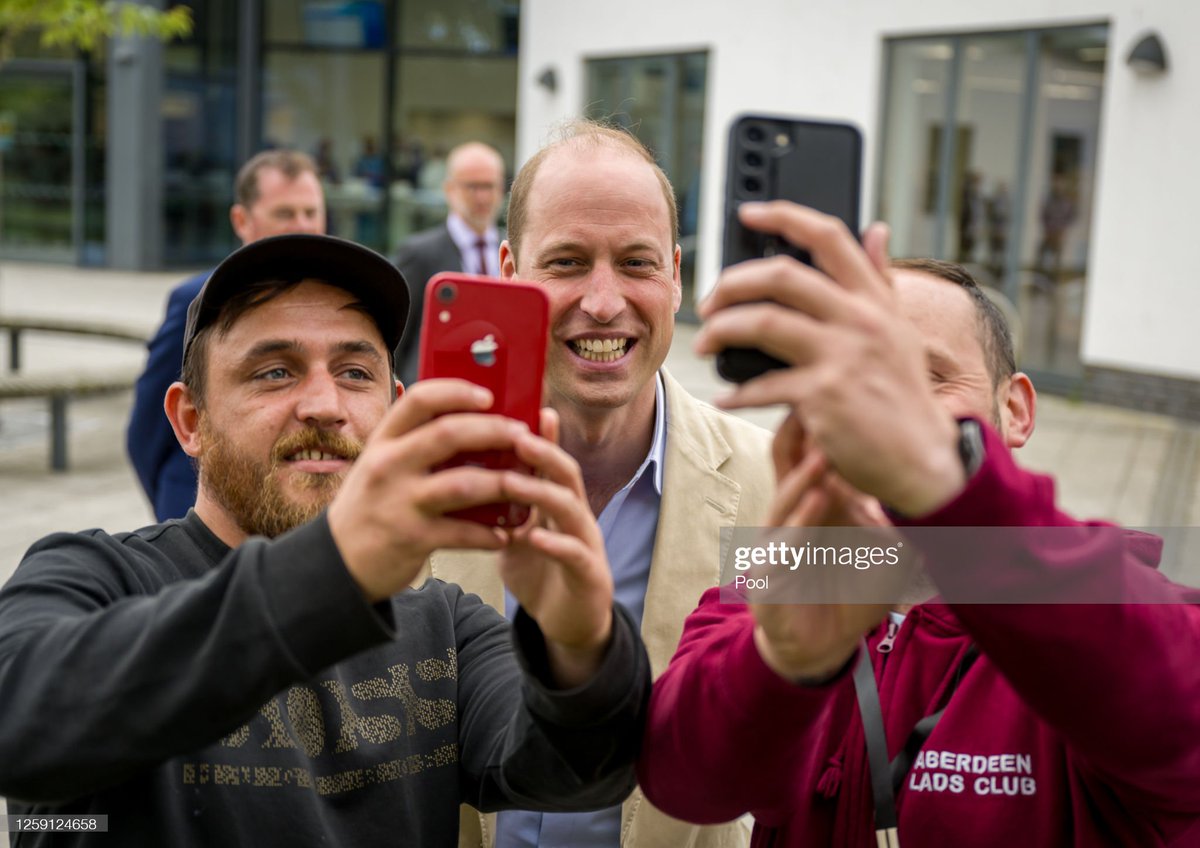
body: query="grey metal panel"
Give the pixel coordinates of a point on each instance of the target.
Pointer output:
(134, 208)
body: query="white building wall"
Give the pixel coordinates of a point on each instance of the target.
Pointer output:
(822, 59)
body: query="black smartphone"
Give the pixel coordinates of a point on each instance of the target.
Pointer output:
(814, 163)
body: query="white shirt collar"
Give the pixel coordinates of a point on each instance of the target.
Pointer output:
(658, 444)
(465, 237)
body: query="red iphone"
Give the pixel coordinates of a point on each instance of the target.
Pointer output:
(493, 333)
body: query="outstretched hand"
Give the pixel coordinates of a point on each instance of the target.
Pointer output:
(858, 381)
(807, 642)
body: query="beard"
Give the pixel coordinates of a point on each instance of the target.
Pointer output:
(250, 490)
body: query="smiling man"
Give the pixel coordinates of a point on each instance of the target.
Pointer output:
(593, 221)
(258, 672)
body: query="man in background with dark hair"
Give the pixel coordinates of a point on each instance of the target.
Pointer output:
(276, 192)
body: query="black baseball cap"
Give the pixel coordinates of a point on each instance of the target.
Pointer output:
(359, 270)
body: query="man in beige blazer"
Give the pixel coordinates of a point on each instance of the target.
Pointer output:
(593, 219)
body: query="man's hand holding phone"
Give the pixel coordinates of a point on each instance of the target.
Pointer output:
(771, 157)
(494, 333)
(857, 376)
(555, 564)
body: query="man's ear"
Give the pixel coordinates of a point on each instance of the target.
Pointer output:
(508, 261)
(184, 416)
(1019, 410)
(677, 280)
(239, 219)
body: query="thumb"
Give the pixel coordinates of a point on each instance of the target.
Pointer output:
(548, 422)
(875, 243)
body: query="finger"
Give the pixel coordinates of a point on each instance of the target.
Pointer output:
(783, 386)
(784, 333)
(833, 247)
(795, 484)
(428, 399)
(572, 553)
(549, 425)
(456, 488)
(783, 280)
(548, 460)
(567, 509)
(863, 509)
(438, 441)
(810, 511)
(875, 243)
(445, 533)
(787, 448)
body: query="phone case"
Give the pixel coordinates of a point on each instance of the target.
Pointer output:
(494, 334)
(814, 163)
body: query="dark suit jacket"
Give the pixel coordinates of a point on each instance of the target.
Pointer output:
(164, 470)
(424, 254)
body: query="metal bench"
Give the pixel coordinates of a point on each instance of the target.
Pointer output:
(59, 388)
(97, 329)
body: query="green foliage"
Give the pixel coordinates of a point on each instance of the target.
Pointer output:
(85, 24)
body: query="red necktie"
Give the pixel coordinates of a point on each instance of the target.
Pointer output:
(482, 247)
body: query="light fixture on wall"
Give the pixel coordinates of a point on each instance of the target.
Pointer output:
(548, 80)
(1148, 57)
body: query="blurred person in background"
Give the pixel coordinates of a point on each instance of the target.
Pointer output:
(469, 240)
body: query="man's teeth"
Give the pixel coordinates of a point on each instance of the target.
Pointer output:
(301, 456)
(600, 350)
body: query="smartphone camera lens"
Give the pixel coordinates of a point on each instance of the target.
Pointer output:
(752, 160)
(752, 185)
(754, 135)
(446, 293)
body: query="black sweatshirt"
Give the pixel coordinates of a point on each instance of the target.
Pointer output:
(199, 695)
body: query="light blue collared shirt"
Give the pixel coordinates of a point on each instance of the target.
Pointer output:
(629, 523)
(466, 240)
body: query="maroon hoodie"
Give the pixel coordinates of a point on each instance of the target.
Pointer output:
(1079, 725)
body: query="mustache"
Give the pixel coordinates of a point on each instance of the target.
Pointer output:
(312, 438)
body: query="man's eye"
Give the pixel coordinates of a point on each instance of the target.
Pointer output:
(279, 373)
(357, 374)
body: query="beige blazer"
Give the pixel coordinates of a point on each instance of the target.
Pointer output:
(717, 473)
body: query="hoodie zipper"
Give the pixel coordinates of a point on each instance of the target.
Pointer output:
(885, 644)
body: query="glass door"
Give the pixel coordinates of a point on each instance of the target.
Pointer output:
(40, 205)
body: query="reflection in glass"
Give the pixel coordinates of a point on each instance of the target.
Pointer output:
(1058, 208)
(440, 103)
(198, 109)
(330, 104)
(319, 23)
(35, 166)
(918, 74)
(490, 26)
(1007, 189)
(661, 100)
(988, 118)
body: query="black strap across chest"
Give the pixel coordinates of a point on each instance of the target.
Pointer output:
(887, 776)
